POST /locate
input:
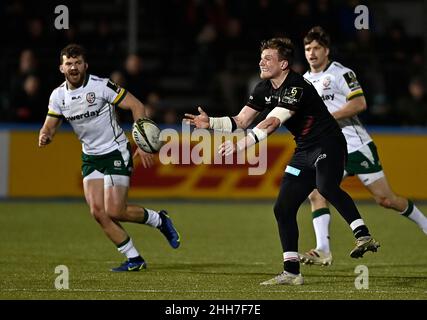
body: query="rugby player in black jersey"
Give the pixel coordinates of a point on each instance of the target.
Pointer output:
(319, 158)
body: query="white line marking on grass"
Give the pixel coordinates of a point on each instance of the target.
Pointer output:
(206, 291)
(191, 262)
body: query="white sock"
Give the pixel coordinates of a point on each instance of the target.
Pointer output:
(416, 215)
(290, 256)
(153, 219)
(321, 228)
(128, 249)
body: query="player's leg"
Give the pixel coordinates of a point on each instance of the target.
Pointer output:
(93, 185)
(385, 197)
(366, 164)
(117, 190)
(329, 171)
(115, 197)
(321, 219)
(94, 194)
(117, 169)
(158, 219)
(295, 187)
(118, 161)
(321, 255)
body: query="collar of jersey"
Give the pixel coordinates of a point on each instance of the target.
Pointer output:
(323, 71)
(82, 86)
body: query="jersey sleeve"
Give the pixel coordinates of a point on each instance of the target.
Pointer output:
(54, 109)
(349, 85)
(257, 99)
(112, 92)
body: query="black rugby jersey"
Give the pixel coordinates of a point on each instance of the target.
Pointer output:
(311, 121)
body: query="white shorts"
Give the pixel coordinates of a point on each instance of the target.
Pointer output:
(368, 178)
(110, 180)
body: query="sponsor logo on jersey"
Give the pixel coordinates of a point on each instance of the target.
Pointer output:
(365, 164)
(90, 97)
(321, 157)
(64, 107)
(326, 82)
(291, 95)
(87, 114)
(113, 86)
(326, 97)
(76, 98)
(268, 100)
(351, 80)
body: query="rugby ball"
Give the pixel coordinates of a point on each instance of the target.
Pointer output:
(146, 135)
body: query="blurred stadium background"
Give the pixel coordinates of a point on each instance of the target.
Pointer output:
(176, 55)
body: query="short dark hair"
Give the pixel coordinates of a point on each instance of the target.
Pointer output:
(72, 51)
(284, 47)
(319, 34)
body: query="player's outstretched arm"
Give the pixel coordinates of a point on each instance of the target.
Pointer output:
(266, 127)
(260, 132)
(130, 102)
(200, 121)
(225, 124)
(48, 130)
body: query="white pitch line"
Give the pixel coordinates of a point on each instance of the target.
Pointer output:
(205, 291)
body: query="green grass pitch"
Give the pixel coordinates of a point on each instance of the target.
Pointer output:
(227, 250)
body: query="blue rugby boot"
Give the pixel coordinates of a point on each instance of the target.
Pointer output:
(168, 230)
(128, 265)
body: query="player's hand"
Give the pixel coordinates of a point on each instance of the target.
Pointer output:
(147, 159)
(227, 148)
(201, 121)
(44, 140)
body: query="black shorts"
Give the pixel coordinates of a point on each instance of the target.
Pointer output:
(332, 151)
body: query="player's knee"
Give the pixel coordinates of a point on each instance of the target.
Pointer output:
(115, 211)
(316, 198)
(98, 213)
(384, 202)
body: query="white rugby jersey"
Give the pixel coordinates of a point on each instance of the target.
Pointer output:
(336, 85)
(90, 111)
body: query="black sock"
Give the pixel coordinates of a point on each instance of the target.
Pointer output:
(361, 231)
(291, 266)
(136, 259)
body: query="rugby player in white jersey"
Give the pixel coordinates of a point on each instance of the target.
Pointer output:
(88, 103)
(343, 95)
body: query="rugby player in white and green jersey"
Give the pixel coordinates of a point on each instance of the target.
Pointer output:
(88, 103)
(343, 96)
